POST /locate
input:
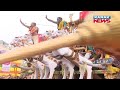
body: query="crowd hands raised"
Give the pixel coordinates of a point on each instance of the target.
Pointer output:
(97, 55)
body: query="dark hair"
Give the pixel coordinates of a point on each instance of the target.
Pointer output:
(99, 49)
(34, 23)
(59, 18)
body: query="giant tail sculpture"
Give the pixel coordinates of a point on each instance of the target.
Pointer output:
(103, 35)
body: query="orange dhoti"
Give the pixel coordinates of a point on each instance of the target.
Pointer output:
(35, 39)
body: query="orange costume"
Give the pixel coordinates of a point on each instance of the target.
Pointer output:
(33, 30)
(41, 38)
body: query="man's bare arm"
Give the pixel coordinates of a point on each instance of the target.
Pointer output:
(25, 68)
(24, 24)
(93, 59)
(51, 20)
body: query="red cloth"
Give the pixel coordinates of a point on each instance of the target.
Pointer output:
(41, 38)
(83, 14)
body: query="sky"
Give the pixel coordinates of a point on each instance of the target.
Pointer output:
(11, 27)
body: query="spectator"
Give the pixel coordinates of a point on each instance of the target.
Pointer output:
(60, 23)
(33, 29)
(71, 25)
(96, 56)
(89, 47)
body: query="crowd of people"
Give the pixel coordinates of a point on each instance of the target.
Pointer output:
(97, 55)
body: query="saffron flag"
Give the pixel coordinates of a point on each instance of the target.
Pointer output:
(83, 14)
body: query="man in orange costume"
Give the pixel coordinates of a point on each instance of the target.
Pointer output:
(33, 31)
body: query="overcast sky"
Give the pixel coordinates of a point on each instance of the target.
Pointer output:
(11, 27)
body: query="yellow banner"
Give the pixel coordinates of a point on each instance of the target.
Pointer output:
(13, 71)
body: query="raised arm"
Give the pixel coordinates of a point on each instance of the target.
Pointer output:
(93, 59)
(24, 24)
(71, 17)
(51, 20)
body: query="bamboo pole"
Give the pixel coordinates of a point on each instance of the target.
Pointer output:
(102, 35)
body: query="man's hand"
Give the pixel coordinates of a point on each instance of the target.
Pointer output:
(24, 24)
(50, 20)
(20, 20)
(46, 17)
(70, 16)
